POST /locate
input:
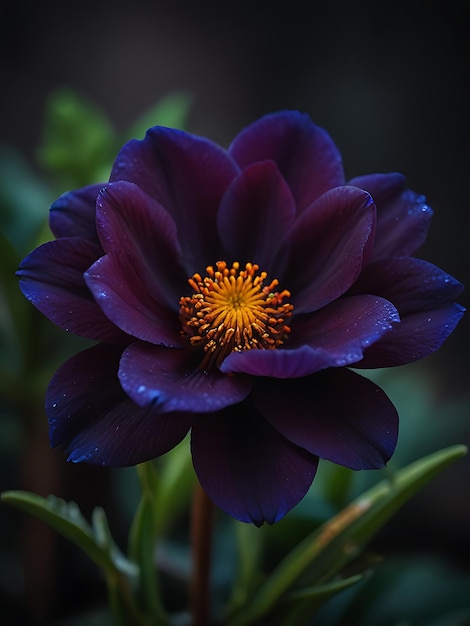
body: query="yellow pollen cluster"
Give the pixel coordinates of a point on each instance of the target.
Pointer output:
(230, 311)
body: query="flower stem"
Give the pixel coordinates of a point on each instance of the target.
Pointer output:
(201, 542)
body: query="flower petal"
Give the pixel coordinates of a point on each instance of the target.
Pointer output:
(329, 245)
(167, 380)
(300, 361)
(403, 217)
(411, 284)
(187, 175)
(336, 415)
(345, 327)
(256, 212)
(417, 336)
(246, 467)
(131, 222)
(304, 153)
(129, 301)
(73, 214)
(333, 337)
(423, 295)
(94, 421)
(52, 279)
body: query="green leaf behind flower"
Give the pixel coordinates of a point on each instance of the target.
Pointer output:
(65, 517)
(95, 540)
(301, 604)
(171, 111)
(319, 558)
(79, 143)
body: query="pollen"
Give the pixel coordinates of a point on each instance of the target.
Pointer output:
(233, 309)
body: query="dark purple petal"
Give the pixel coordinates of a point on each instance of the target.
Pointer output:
(345, 327)
(94, 421)
(411, 284)
(52, 279)
(423, 295)
(382, 187)
(403, 217)
(256, 212)
(188, 176)
(304, 153)
(329, 245)
(168, 380)
(333, 337)
(246, 467)
(417, 335)
(73, 214)
(336, 415)
(131, 222)
(129, 301)
(278, 363)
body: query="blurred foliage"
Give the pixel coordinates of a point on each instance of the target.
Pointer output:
(423, 591)
(78, 147)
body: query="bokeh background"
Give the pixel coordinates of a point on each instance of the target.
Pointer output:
(388, 80)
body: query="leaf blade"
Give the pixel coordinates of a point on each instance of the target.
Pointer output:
(323, 553)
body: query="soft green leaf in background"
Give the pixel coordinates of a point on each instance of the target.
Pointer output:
(322, 555)
(79, 143)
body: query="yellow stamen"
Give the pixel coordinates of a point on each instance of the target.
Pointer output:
(230, 311)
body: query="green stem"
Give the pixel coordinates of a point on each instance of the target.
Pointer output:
(142, 545)
(121, 602)
(201, 542)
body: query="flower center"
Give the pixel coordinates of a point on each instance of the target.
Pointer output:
(230, 310)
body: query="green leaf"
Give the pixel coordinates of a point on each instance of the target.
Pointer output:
(79, 143)
(299, 605)
(164, 495)
(176, 485)
(319, 557)
(426, 588)
(142, 545)
(249, 551)
(95, 541)
(335, 483)
(24, 200)
(66, 518)
(171, 111)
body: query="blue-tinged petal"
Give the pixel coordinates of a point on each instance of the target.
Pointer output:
(336, 336)
(73, 214)
(417, 336)
(128, 299)
(336, 415)
(423, 295)
(346, 326)
(168, 380)
(293, 363)
(188, 176)
(130, 222)
(304, 153)
(403, 217)
(411, 284)
(51, 277)
(94, 421)
(255, 214)
(246, 467)
(382, 187)
(329, 245)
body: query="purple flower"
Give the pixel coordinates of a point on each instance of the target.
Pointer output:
(228, 291)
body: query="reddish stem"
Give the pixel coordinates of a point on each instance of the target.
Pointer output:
(201, 542)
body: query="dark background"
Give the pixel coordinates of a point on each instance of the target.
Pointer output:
(388, 80)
